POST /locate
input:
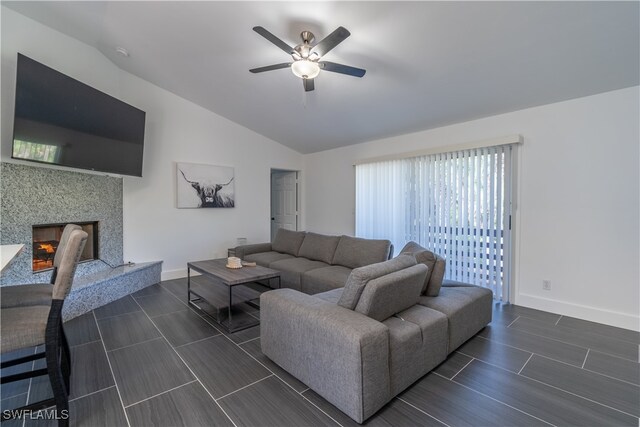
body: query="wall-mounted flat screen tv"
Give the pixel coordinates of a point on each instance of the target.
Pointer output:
(61, 121)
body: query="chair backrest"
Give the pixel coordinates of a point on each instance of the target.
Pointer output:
(69, 261)
(66, 233)
(57, 259)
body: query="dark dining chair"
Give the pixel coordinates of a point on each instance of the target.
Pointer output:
(37, 293)
(30, 326)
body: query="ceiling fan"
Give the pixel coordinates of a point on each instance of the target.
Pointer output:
(306, 56)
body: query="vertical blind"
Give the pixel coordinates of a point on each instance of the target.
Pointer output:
(456, 204)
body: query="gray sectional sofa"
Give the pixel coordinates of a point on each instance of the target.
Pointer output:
(360, 345)
(313, 263)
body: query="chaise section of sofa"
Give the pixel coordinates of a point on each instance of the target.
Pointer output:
(340, 354)
(311, 262)
(468, 309)
(361, 345)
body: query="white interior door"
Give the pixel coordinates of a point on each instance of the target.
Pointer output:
(284, 201)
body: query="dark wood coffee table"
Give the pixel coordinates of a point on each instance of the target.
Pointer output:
(216, 270)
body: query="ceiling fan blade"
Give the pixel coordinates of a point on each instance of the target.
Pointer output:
(273, 39)
(271, 67)
(342, 69)
(331, 41)
(308, 85)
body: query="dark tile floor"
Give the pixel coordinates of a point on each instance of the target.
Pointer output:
(148, 359)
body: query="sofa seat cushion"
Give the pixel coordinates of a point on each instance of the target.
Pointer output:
(353, 252)
(418, 341)
(359, 278)
(319, 247)
(288, 241)
(468, 309)
(266, 258)
(331, 296)
(291, 270)
(324, 279)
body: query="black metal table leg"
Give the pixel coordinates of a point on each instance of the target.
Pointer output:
(229, 308)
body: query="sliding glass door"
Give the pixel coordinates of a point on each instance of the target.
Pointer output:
(456, 204)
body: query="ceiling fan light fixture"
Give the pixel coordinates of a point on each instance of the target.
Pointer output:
(305, 69)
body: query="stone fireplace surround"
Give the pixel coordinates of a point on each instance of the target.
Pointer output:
(37, 195)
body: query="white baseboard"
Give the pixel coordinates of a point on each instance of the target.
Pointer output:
(176, 274)
(593, 314)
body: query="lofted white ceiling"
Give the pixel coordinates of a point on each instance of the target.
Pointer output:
(428, 64)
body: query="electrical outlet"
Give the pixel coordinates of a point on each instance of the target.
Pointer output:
(546, 285)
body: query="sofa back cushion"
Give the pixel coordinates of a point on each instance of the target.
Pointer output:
(435, 263)
(359, 278)
(390, 294)
(319, 247)
(353, 252)
(437, 276)
(288, 241)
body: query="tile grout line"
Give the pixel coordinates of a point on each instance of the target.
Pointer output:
(166, 314)
(514, 321)
(196, 341)
(609, 376)
(529, 351)
(71, 347)
(420, 410)
(581, 397)
(317, 407)
(494, 399)
(244, 342)
(525, 363)
(575, 345)
(585, 358)
(549, 385)
(134, 344)
(161, 393)
(589, 370)
(589, 335)
(33, 366)
(301, 393)
(466, 364)
(126, 417)
(93, 392)
(187, 366)
(243, 387)
(602, 334)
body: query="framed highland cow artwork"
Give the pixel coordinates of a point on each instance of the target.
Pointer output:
(204, 186)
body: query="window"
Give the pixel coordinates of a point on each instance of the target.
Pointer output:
(34, 151)
(456, 204)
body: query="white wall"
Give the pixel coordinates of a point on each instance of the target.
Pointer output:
(176, 131)
(577, 214)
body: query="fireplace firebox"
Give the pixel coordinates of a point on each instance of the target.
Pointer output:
(46, 238)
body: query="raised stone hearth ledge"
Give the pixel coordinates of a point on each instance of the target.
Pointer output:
(95, 290)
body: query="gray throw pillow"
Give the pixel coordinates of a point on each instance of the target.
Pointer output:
(288, 241)
(359, 278)
(319, 247)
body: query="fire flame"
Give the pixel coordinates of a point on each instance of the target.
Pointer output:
(47, 247)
